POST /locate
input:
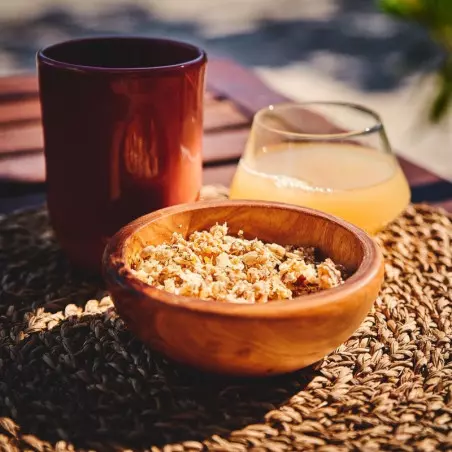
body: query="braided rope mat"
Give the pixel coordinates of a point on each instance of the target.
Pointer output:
(72, 377)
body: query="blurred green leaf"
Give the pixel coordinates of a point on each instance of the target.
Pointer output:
(442, 101)
(408, 9)
(440, 105)
(436, 17)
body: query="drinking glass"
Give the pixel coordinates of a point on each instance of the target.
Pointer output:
(122, 120)
(331, 156)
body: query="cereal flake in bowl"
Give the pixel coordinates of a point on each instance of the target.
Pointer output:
(214, 265)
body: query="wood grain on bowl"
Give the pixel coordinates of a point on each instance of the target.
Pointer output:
(238, 339)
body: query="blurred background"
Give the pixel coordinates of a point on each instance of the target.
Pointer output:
(306, 49)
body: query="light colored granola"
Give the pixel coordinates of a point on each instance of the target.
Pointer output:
(217, 266)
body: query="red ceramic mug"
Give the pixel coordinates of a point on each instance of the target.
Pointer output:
(122, 122)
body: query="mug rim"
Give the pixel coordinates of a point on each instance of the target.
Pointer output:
(198, 60)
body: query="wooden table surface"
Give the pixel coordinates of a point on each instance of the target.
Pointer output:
(233, 96)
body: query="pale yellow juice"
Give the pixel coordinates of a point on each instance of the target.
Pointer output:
(360, 185)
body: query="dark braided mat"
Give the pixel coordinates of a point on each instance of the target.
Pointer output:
(72, 377)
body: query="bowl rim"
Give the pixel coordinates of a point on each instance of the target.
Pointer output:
(116, 272)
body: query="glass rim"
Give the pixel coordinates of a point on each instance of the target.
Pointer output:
(377, 127)
(198, 59)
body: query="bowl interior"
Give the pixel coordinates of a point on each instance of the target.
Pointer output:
(271, 223)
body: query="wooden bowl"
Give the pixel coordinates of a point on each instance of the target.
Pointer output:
(240, 339)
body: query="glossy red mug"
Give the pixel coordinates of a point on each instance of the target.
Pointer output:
(122, 121)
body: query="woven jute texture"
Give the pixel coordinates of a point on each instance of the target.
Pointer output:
(73, 378)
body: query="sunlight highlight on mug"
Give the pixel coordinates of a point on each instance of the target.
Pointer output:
(333, 157)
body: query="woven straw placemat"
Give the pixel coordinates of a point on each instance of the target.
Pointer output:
(73, 377)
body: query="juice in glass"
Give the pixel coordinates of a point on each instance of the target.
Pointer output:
(358, 184)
